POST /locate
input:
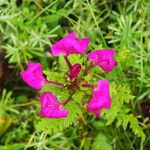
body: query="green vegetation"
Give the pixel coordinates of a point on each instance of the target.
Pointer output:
(27, 30)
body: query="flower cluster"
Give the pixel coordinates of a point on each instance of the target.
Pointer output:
(50, 106)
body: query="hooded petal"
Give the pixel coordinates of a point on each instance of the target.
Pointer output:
(100, 98)
(104, 59)
(70, 45)
(33, 76)
(50, 107)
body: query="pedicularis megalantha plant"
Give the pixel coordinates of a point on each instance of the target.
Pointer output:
(75, 79)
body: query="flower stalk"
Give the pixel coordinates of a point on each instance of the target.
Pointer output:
(67, 101)
(91, 86)
(67, 61)
(89, 68)
(54, 83)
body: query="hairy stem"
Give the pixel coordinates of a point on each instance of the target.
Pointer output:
(91, 86)
(54, 83)
(68, 100)
(67, 61)
(89, 68)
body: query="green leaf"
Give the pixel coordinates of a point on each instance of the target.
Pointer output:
(13, 147)
(55, 76)
(125, 119)
(101, 142)
(120, 95)
(135, 126)
(62, 64)
(78, 96)
(75, 59)
(61, 93)
(118, 111)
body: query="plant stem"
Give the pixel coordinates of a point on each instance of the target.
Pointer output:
(25, 104)
(89, 68)
(30, 140)
(54, 83)
(67, 101)
(21, 66)
(67, 61)
(91, 86)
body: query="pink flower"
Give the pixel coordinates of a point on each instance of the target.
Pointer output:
(104, 59)
(33, 76)
(74, 70)
(100, 98)
(70, 45)
(50, 107)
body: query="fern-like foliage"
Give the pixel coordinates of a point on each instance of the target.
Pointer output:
(77, 59)
(62, 64)
(124, 118)
(121, 95)
(55, 76)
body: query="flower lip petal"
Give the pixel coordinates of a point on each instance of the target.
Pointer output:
(33, 76)
(104, 59)
(51, 107)
(100, 98)
(70, 45)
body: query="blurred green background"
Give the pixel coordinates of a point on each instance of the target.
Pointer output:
(27, 30)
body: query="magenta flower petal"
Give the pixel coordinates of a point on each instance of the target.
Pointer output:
(104, 59)
(74, 70)
(70, 45)
(33, 76)
(50, 107)
(100, 98)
